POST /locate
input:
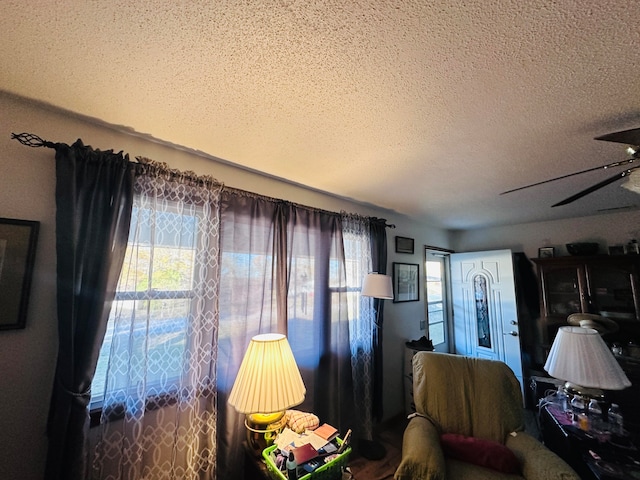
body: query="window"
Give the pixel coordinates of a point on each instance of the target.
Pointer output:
(481, 296)
(436, 287)
(146, 337)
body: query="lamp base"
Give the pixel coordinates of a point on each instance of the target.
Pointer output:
(262, 429)
(585, 392)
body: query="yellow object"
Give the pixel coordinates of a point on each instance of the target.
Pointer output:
(583, 422)
(262, 429)
(264, 418)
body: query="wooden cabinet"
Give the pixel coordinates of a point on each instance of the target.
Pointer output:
(604, 285)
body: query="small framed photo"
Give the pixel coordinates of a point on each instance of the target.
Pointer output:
(406, 282)
(404, 245)
(18, 240)
(546, 252)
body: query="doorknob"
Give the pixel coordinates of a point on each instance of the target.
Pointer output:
(513, 322)
(512, 333)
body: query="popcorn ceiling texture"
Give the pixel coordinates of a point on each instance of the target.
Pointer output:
(430, 109)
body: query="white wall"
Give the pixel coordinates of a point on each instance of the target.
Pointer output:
(402, 320)
(607, 230)
(27, 191)
(27, 357)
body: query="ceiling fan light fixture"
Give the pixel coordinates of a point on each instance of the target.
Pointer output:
(633, 181)
(634, 151)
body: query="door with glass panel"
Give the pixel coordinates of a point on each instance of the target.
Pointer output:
(485, 314)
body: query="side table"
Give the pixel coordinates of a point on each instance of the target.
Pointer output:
(254, 466)
(592, 457)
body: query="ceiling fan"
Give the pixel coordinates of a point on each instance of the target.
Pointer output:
(629, 137)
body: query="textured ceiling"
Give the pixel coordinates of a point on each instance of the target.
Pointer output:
(430, 109)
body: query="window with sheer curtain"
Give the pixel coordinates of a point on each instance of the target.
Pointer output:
(205, 270)
(155, 380)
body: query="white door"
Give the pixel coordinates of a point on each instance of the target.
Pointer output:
(485, 313)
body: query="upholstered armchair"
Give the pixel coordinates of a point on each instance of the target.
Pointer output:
(469, 423)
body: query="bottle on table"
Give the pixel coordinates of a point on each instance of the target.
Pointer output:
(578, 413)
(616, 422)
(292, 467)
(561, 400)
(594, 412)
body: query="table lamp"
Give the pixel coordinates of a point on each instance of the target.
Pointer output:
(581, 358)
(268, 383)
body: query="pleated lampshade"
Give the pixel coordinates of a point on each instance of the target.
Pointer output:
(580, 356)
(377, 285)
(633, 182)
(268, 380)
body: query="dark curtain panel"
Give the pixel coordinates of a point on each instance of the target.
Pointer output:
(318, 323)
(378, 234)
(251, 290)
(94, 193)
(282, 270)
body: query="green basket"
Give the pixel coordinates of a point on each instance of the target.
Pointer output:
(328, 471)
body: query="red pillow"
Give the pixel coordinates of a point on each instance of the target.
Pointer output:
(484, 453)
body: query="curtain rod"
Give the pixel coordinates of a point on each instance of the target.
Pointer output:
(33, 140)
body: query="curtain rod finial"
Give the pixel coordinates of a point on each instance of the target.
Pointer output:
(31, 140)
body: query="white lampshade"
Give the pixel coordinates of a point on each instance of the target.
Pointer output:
(633, 182)
(580, 356)
(268, 380)
(377, 285)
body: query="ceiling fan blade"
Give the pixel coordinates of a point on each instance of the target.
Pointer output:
(593, 169)
(592, 188)
(629, 137)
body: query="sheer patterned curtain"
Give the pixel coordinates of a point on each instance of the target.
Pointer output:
(156, 378)
(378, 238)
(357, 248)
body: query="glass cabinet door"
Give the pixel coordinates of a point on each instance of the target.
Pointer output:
(562, 290)
(611, 291)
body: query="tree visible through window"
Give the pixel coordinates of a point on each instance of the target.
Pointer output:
(155, 289)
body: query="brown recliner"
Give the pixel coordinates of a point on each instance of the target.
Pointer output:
(475, 398)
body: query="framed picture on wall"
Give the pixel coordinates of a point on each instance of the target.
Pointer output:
(406, 282)
(546, 252)
(18, 240)
(404, 245)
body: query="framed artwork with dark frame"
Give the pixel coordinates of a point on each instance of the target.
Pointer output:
(406, 282)
(18, 239)
(546, 252)
(404, 245)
